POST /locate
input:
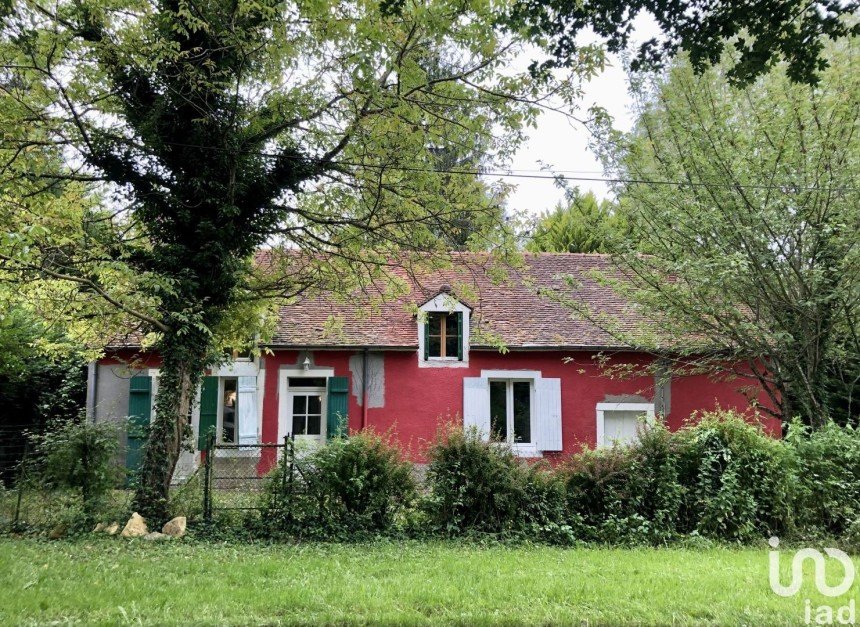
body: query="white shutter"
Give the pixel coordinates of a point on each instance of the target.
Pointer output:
(247, 392)
(547, 433)
(476, 405)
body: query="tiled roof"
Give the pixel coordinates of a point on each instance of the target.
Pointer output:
(523, 310)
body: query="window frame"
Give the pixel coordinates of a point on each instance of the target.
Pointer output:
(443, 336)
(643, 408)
(443, 303)
(219, 426)
(519, 448)
(285, 397)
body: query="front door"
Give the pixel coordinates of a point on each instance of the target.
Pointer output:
(307, 409)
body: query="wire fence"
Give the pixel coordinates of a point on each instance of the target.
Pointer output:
(228, 477)
(28, 503)
(234, 475)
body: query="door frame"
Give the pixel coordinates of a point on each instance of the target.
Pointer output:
(285, 412)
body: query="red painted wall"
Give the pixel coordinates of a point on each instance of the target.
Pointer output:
(418, 400)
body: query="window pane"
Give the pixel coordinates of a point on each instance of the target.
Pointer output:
(313, 425)
(435, 322)
(435, 346)
(314, 404)
(498, 409)
(451, 346)
(306, 382)
(228, 411)
(451, 324)
(300, 405)
(620, 426)
(522, 412)
(230, 392)
(298, 424)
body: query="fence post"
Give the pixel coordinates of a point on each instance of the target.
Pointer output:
(20, 483)
(207, 478)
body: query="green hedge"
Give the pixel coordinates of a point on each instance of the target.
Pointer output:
(719, 477)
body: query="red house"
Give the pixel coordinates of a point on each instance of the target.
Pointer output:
(507, 357)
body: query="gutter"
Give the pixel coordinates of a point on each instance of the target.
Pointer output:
(364, 390)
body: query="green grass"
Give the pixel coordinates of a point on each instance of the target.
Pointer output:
(116, 581)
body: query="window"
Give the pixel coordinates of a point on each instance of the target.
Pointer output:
(619, 423)
(443, 335)
(307, 413)
(306, 382)
(443, 332)
(519, 407)
(229, 410)
(510, 411)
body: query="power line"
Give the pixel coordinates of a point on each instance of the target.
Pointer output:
(562, 177)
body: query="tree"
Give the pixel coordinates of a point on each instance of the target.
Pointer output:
(761, 33)
(195, 133)
(42, 378)
(582, 225)
(749, 200)
(478, 217)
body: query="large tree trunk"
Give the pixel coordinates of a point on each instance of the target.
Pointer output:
(179, 377)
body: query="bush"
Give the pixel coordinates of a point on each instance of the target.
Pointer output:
(828, 495)
(627, 494)
(738, 482)
(81, 455)
(480, 486)
(351, 487)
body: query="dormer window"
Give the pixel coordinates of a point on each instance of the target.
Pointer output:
(443, 332)
(444, 335)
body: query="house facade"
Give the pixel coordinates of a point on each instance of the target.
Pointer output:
(505, 356)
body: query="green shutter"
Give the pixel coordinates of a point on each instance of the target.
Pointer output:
(459, 315)
(427, 338)
(139, 417)
(208, 411)
(338, 397)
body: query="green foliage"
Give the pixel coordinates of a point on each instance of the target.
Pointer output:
(628, 494)
(347, 489)
(195, 151)
(757, 224)
(761, 33)
(480, 486)
(82, 455)
(42, 378)
(738, 482)
(581, 225)
(828, 500)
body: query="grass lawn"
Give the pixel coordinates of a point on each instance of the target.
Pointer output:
(115, 581)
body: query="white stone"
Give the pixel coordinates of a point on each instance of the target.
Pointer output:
(135, 527)
(175, 527)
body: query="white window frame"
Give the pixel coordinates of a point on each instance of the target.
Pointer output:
(443, 303)
(602, 408)
(285, 399)
(219, 418)
(521, 449)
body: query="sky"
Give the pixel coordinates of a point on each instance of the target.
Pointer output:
(563, 145)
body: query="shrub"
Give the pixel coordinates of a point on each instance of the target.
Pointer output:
(480, 486)
(545, 516)
(627, 494)
(828, 496)
(81, 455)
(352, 486)
(738, 482)
(474, 485)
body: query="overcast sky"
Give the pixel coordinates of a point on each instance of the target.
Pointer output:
(564, 145)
